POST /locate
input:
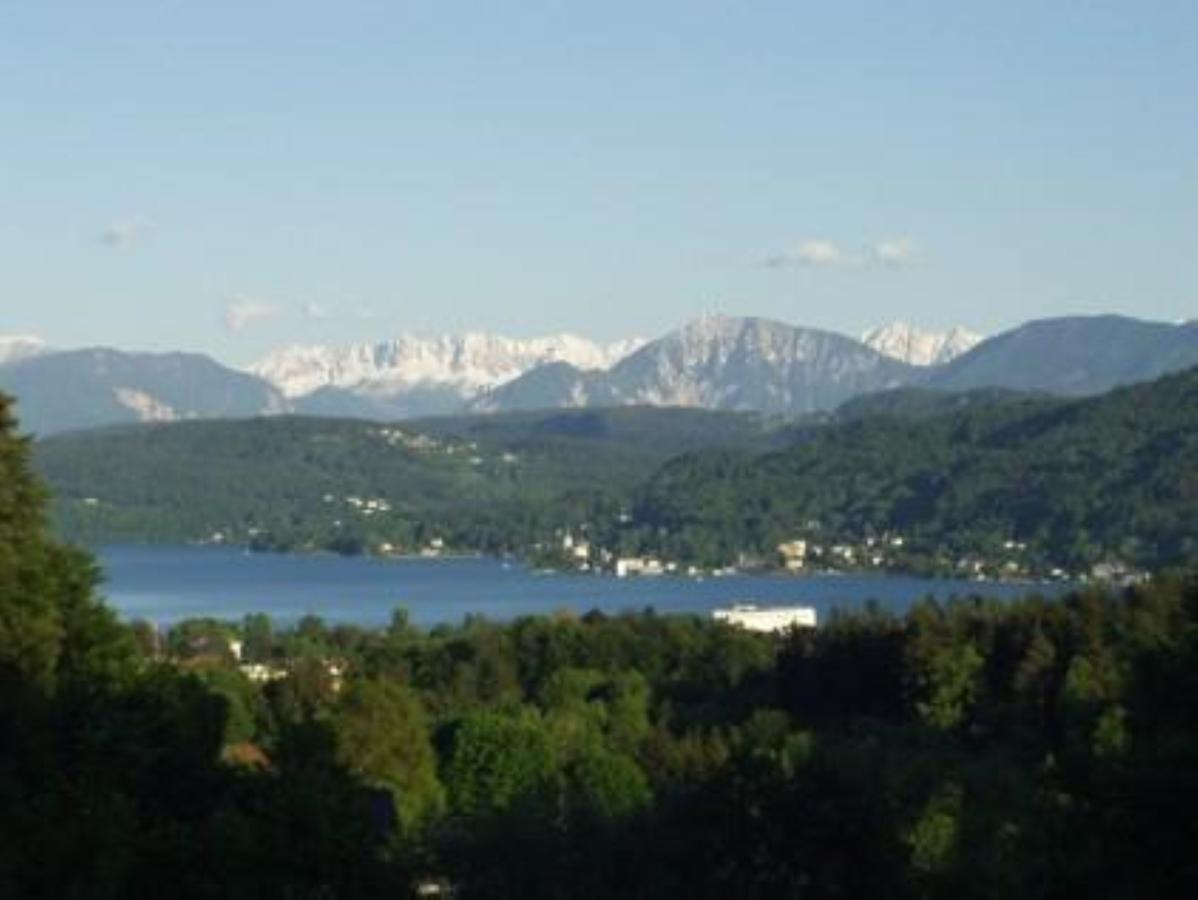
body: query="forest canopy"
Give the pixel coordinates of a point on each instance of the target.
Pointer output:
(970, 749)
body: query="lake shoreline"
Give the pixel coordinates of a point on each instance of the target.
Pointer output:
(167, 583)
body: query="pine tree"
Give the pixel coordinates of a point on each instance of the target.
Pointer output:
(52, 627)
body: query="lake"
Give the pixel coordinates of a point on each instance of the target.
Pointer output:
(167, 584)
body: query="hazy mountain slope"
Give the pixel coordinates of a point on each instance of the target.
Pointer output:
(1074, 355)
(550, 386)
(718, 363)
(924, 403)
(423, 400)
(86, 388)
(655, 431)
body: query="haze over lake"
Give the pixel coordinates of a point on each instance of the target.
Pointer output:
(165, 584)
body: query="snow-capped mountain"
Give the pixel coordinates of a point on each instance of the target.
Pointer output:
(13, 349)
(908, 344)
(451, 366)
(717, 362)
(714, 362)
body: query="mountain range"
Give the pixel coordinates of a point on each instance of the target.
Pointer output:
(716, 363)
(713, 362)
(464, 363)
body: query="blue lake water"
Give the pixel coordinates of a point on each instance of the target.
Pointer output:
(167, 584)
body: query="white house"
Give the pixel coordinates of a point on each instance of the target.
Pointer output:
(793, 553)
(778, 618)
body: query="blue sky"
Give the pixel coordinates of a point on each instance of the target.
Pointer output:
(229, 177)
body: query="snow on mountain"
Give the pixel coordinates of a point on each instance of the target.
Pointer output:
(908, 344)
(717, 362)
(20, 347)
(466, 363)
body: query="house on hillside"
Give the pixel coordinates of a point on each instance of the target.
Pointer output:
(793, 554)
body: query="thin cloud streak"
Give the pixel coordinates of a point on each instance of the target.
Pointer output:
(242, 312)
(821, 253)
(124, 233)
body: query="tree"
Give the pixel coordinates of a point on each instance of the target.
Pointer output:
(498, 763)
(606, 786)
(257, 634)
(383, 737)
(52, 627)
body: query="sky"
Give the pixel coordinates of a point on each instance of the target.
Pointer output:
(230, 177)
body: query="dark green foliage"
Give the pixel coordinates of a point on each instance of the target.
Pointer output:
(1114, 477)
(974, 748)
(969, 749)
(111, 781)
(382, 736)
(498, 764)
(481, 483)
(51, 628)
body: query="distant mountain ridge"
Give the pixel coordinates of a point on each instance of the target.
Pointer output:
(450, 364)
(716, 362)
(1073, 356)
(916, 347)
(77, 389)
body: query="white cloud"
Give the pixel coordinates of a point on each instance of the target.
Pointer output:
(894, 252)
(315, 311)
(817, 253)
(825, 255)
(821, 253)
(124, 233)
(242, 311)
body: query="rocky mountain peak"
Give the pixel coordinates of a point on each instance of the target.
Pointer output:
(906, 343)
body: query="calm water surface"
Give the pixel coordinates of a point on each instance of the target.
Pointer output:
(167, 584)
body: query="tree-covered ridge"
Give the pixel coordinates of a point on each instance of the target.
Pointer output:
(991, 477)
(1113, 477)
(484, 483)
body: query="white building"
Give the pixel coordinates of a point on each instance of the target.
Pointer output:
(793, 553)
(635, 565)
(778, 618)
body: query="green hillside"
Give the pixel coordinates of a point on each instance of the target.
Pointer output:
(912, 480)
(1076, 481)
(485, 483)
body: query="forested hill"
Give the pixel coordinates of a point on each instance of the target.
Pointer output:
(953, 477)
(491, 483)
(1077, 481)
(923, 403)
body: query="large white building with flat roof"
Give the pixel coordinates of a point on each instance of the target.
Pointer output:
(778, 618)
